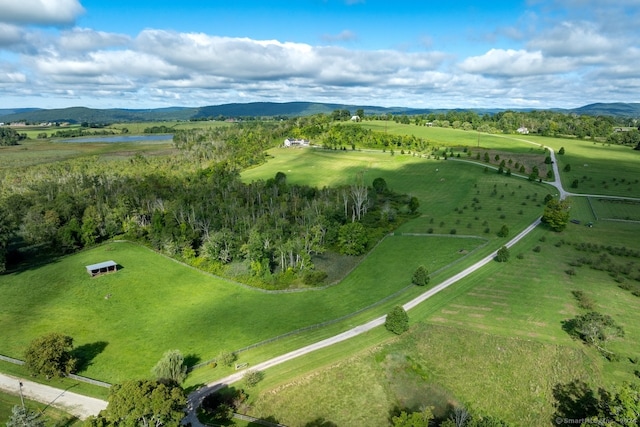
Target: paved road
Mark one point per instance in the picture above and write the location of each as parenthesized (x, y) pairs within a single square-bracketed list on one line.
[(73, 403)]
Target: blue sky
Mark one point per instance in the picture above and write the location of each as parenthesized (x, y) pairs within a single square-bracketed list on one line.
[(144, 54)]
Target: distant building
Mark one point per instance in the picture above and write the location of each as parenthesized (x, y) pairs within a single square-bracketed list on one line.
[(291, 142), (523, 130), (355, 118)]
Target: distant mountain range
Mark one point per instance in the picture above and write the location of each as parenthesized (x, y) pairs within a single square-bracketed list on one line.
[(261, 109)]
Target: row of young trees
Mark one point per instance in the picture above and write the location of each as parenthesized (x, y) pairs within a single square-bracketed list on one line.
[(546, 123)]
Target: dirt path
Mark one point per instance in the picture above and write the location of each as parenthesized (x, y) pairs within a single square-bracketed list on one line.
[(73, 403)]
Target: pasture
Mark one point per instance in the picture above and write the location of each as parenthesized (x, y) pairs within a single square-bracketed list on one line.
[(493, 343), (40, 152), (432, 365), (155, 303), (456, 198), (502, 321), (123, 322), (598, 167)]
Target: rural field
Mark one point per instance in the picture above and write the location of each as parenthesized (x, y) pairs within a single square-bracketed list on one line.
[(501, 321), (472, 345), (115, 318), (493, 343)]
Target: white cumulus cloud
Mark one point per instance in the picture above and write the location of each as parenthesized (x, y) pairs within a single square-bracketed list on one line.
[(510, 62), (86, 39), (41, 12)]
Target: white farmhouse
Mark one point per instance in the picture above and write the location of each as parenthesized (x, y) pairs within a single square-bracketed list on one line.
[(292, 142)]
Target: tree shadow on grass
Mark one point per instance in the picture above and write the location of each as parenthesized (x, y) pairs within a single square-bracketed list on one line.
[(190, 360), (86, 353), (268, 421), (577, 400), (569, 326), (192, 388)]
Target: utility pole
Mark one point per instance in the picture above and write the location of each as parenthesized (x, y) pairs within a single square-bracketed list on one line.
[(21, 397)]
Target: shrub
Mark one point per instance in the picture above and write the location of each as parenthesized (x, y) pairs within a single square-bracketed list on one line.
[(420, 276), (314, 277), (537, 249), (503, 254), (520, 256), (584, 301), (397, 320), (504, 231), (252, 378), (226, 358), (612, 357)]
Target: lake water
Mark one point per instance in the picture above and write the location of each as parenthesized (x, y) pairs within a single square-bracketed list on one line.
[(122, 138)]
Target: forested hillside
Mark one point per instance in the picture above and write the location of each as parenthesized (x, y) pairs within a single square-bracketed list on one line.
[(620, 113)]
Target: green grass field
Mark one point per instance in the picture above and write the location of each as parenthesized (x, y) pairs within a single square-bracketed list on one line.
[(616, 209), (501, 322), (446, 189), (432, 365), (40, 152), (155, 304), (493, 342)]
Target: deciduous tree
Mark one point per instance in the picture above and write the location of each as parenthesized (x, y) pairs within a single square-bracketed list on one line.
[(171, 367), (413, 419), (50, 355), (397, 320), (145, 403), (420, 276), (352, 238), (595, 328), (556, 214), (503, 254)]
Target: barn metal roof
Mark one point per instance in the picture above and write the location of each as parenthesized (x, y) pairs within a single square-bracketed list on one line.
[(100, 265)]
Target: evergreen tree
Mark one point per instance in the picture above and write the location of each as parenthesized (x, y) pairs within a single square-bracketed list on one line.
[(23, 417)]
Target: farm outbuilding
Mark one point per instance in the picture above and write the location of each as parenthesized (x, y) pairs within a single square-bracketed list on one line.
[(102, 268)]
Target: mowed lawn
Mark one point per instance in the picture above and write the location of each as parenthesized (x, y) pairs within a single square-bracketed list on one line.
[(127, 320), (453, 195)]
